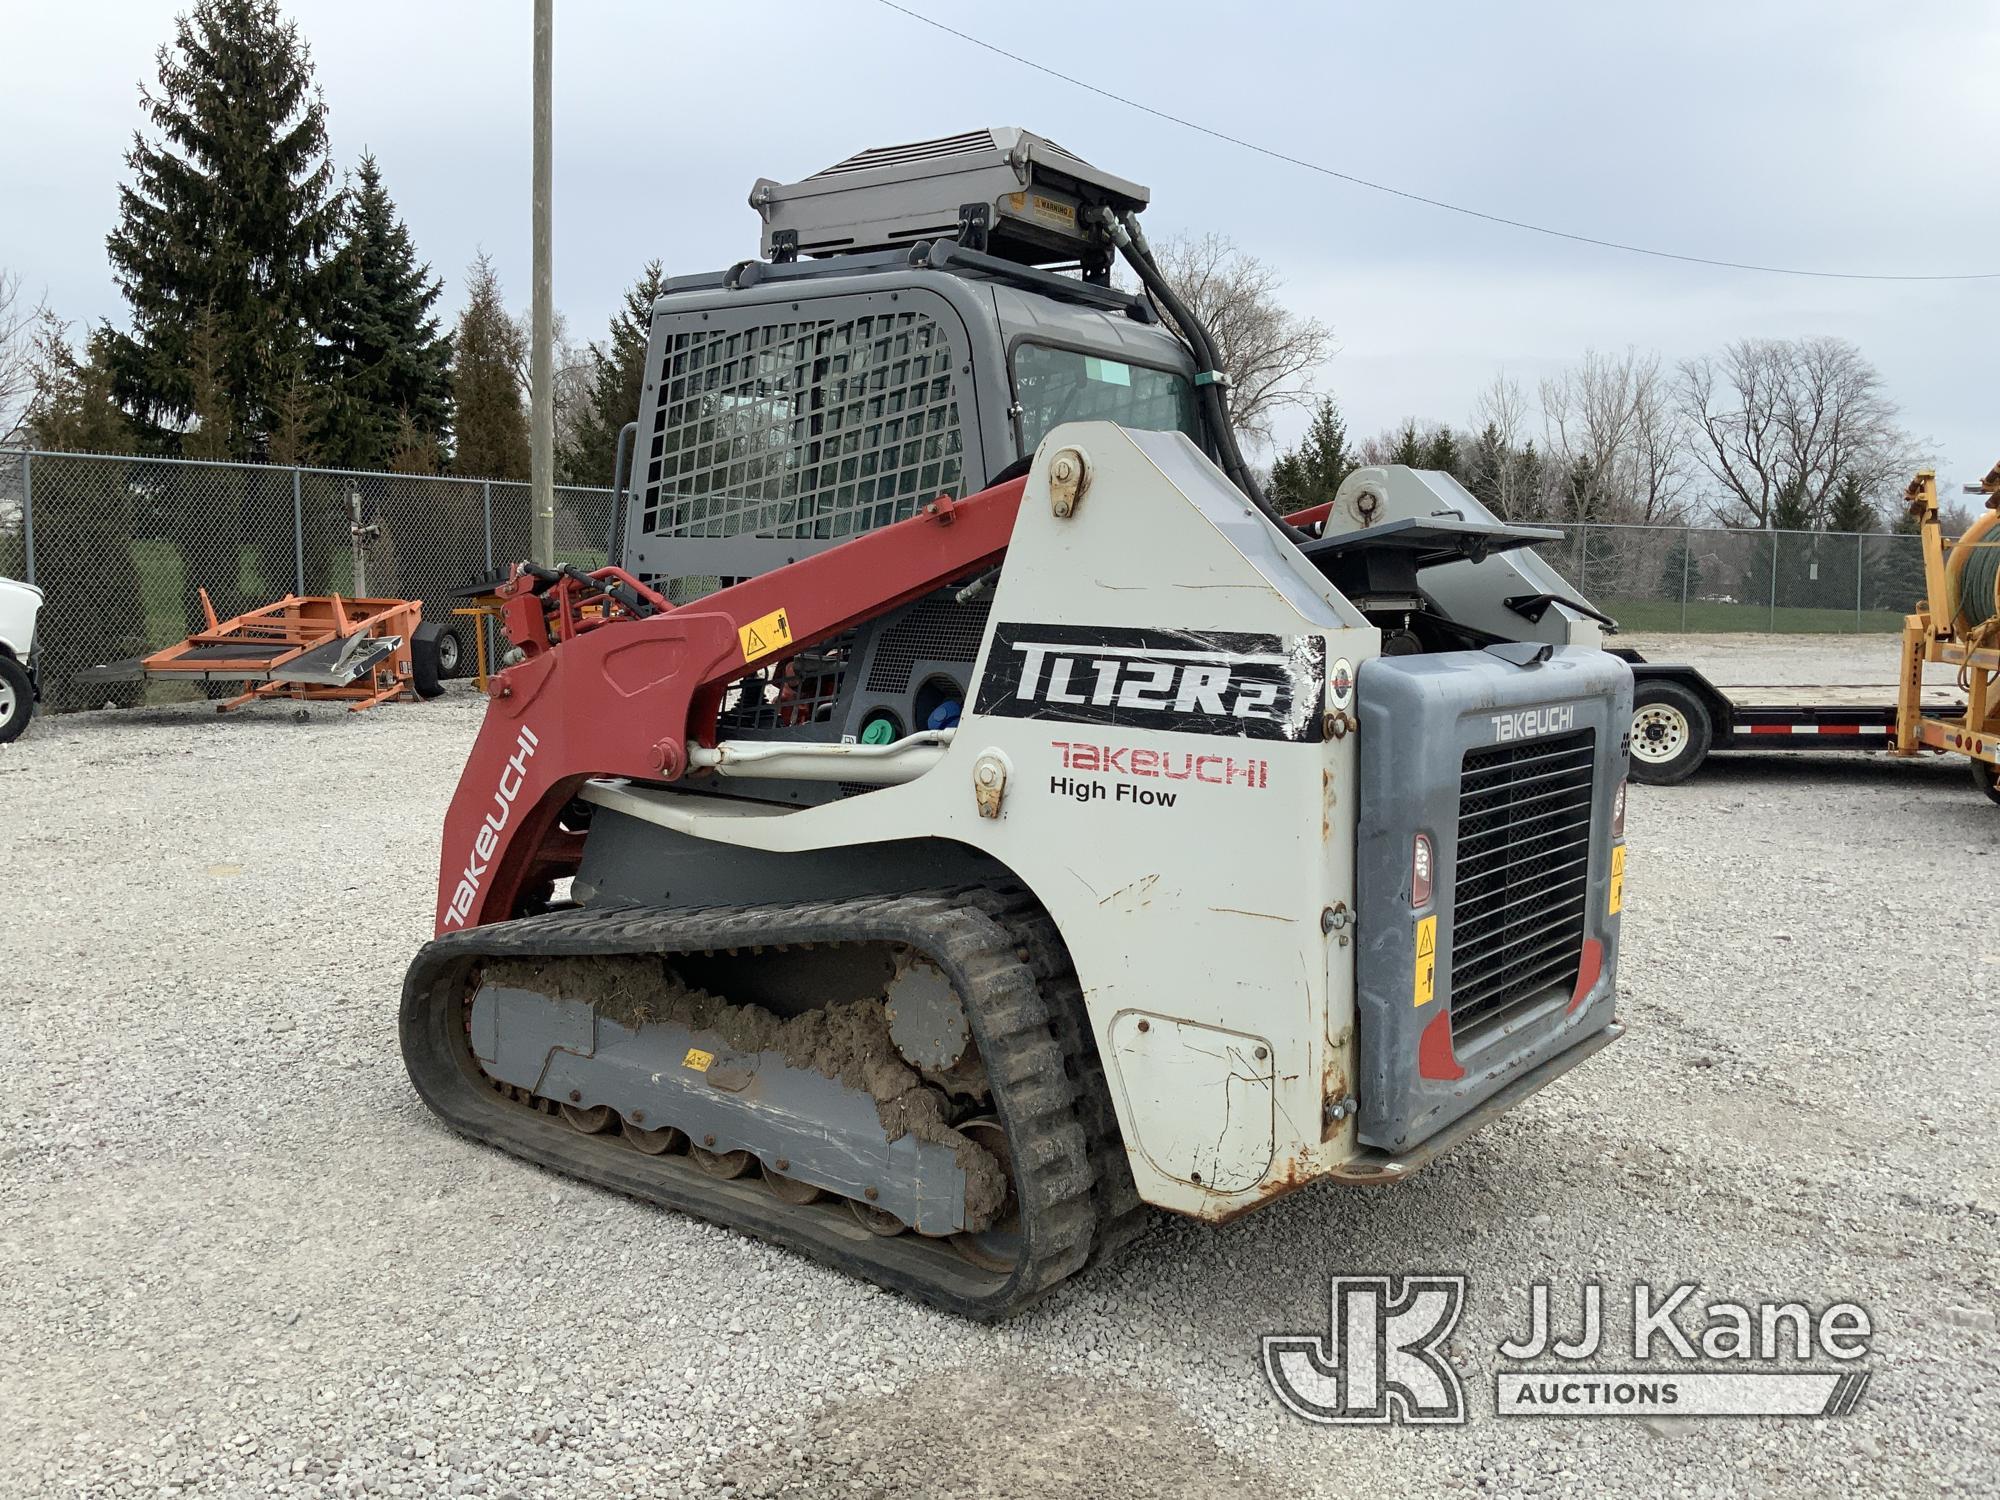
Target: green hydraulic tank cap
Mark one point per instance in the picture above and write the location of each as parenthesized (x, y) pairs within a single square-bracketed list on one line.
[(878, 731)]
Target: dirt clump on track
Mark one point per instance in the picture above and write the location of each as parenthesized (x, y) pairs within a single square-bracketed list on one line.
[(848, 1042)]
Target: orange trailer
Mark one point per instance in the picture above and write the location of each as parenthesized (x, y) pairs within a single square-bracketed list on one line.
[(315, 647)]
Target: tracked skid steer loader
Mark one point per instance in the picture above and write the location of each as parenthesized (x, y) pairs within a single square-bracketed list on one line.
[(964, 813)]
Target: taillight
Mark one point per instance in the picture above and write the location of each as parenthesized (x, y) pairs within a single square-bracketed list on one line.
[(1618, 812), (1420, 870)]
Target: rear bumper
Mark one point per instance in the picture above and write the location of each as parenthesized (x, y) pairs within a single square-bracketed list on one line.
[(1372, 1167)]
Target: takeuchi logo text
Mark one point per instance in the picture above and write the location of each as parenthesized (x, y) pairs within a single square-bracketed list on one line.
[(488, 838), (1170, 765)]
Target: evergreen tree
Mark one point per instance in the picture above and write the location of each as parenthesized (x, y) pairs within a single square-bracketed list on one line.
[(491, 425), (203, 509), (382, 359), (1487, 463), (1410, 447), (1895, 568), (1680, 574), (1600, 569), (1842, 552), (1850, 510), (74, 408), (1311, 473), (83, 525), (225, 220), (414, 451), (1793, 512), (1531, 482), (1441, 452), (618, 375), (1795, 553)]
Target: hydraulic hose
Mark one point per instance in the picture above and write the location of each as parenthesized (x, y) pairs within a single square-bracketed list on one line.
[(1211, 385), (1977, 580)]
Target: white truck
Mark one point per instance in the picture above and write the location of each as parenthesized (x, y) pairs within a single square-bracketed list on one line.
[(20, 603)]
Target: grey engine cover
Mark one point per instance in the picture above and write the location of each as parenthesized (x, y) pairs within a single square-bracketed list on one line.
[(1509, 765)]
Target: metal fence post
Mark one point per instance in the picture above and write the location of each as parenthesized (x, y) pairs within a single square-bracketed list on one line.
[(1860, 561), (1687, 553), (1583, 563), (28, 515), (298, 532), (486, 487), (1775, 535)]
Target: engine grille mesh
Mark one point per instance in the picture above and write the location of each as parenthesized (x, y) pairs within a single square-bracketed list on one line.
[(936, 628), (1522, 877)]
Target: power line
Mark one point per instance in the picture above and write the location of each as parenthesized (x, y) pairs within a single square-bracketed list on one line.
[(1396, 192)]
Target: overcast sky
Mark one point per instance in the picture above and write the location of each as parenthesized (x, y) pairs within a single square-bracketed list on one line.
[(1824, 135)]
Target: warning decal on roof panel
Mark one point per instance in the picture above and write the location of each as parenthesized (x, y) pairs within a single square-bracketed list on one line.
[(1264, 687)]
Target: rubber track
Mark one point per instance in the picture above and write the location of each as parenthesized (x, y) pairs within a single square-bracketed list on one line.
[(1121, 1213), (975, 937)]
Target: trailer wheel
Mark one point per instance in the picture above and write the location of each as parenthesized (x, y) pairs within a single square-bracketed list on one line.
[(1985, 776), (1671, 732), (425, 675), (451, 652), (17, 699)]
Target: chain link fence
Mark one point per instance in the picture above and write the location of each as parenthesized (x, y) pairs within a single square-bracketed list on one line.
[(1701, 579), (123, 547)]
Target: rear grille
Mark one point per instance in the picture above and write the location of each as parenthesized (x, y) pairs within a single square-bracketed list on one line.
[(1522, 878)]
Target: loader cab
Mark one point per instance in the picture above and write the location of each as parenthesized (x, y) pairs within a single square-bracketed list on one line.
[(788, 407)]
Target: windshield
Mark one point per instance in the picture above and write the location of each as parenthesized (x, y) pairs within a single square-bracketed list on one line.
[(1060, 385)]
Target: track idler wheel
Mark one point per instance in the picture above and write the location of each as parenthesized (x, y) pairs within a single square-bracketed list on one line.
[(875, 1220), (790, 1189), (659, 1142), (722, 1164), (593, 1121)]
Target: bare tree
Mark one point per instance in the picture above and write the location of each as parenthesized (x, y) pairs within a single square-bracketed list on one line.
[(571, 368), (1661, 466), (1773, 413), (18, 320), (1506, 474), (1612, 429), (1269, 353)]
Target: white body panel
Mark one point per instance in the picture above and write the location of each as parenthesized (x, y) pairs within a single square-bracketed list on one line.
[(1192, 903), (20, 603), (1471, 593)]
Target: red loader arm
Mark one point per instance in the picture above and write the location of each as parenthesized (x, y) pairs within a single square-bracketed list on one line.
[(625, 695)]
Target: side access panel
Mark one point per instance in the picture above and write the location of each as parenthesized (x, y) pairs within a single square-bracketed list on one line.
[(1508, 765)]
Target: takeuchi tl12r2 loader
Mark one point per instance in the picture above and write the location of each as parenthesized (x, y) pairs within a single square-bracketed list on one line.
[(966, 813)]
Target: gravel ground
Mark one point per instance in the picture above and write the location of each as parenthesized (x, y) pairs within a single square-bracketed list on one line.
[(238, 1257)]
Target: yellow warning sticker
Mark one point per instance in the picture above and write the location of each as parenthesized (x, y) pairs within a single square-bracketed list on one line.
[(1052, 210), (1617, 879), (698, 1059), (1427, 960), (761, 637)]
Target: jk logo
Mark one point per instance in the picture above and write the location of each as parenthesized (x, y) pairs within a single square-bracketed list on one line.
[(1380, 1360)]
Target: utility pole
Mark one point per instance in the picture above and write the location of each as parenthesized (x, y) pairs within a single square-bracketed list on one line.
[(541, 396)]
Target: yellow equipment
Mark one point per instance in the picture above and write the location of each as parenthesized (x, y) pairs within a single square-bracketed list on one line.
[(1958, 622)]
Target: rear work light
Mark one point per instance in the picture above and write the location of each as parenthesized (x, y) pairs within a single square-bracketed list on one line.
[(1618, 811), (1421, 866)]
